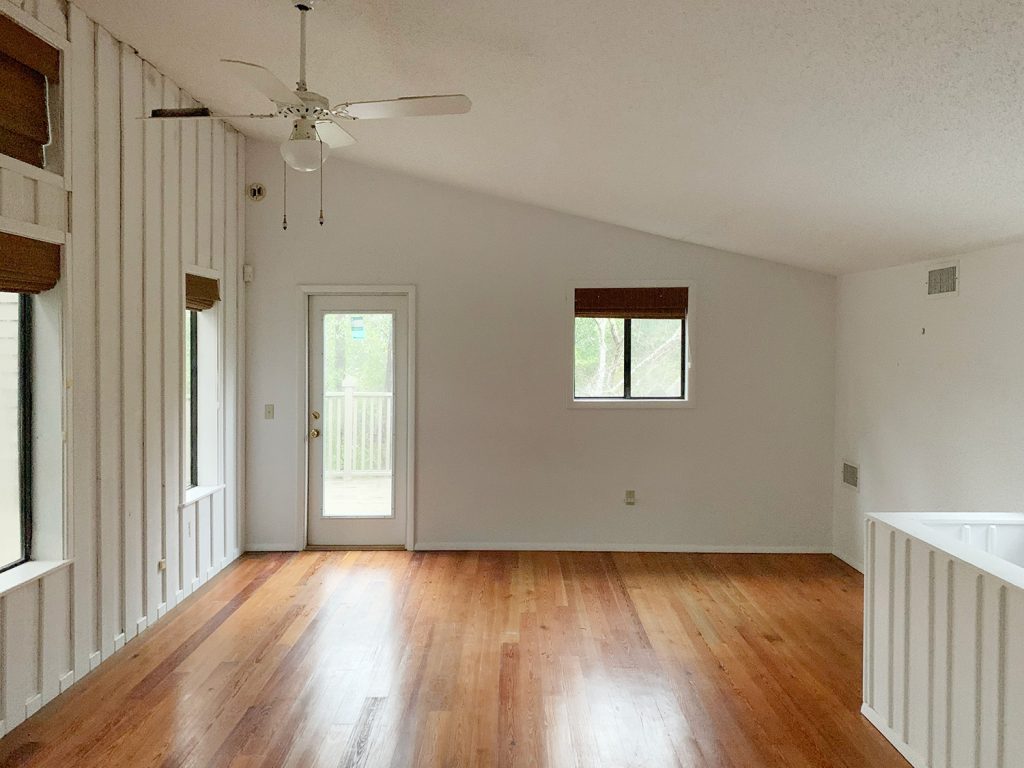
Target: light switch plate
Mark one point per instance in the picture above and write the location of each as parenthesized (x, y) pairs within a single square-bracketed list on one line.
[(268, 411)]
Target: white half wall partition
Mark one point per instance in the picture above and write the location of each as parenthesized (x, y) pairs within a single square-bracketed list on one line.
[(944, 614)]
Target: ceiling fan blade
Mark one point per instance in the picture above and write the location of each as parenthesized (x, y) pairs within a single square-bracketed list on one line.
[(410, 106), (199, 113), (264, 81), (333, 135)]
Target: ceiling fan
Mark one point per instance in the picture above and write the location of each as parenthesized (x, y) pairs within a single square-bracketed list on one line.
[(315, 124)]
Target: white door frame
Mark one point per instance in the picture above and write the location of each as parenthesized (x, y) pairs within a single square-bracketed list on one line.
[(305, 293)]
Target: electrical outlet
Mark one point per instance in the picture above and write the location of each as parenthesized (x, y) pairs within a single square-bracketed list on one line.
[(630, 498), (268, 411)]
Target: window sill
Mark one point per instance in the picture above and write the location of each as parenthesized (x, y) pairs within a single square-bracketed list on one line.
[(198, 493), (619, 403), (23, 574)]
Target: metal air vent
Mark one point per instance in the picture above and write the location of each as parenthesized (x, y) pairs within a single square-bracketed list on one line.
[(942, 280), (851, 474)]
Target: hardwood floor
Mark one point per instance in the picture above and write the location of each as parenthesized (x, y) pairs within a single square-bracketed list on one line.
[(489, 659)]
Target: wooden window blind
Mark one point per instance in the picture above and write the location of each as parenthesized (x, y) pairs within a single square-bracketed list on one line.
[(27, 64), (200, 292), (27, 266), (657, 303)]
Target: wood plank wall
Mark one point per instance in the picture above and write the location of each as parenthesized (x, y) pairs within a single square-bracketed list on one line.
[(146, 201)]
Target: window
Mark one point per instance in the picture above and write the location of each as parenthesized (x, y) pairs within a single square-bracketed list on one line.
[(15, 429), (630, 343), (26, 267), (192, 398), (200, 396), (29, 68)]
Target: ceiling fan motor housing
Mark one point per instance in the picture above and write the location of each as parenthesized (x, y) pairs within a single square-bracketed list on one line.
[(304, 130), (313, 105)]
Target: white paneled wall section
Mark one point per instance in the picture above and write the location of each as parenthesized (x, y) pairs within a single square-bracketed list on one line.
[(146, 200), (943, 660)]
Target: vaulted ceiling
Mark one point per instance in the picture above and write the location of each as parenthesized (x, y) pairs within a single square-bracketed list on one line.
[(833, 135)]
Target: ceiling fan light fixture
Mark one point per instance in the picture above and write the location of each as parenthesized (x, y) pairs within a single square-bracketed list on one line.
[(303, 150)]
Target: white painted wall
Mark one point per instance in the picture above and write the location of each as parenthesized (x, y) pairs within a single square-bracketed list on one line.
[(501, 459), (147, 200), (935, 419)]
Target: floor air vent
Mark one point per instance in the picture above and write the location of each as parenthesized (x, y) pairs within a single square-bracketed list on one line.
[(850, 474), (942, 280)]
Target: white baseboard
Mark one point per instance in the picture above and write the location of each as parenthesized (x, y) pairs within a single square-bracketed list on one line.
[(853, 562), (273, 547), (426, 546), (878, 721), (33, 704)]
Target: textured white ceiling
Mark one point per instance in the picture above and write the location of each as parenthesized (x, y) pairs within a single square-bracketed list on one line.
[(833, 135)]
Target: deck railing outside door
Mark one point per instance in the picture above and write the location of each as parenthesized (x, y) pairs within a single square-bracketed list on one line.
[(358, 432)]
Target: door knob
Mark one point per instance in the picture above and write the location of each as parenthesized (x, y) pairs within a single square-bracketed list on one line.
[(314, 432)]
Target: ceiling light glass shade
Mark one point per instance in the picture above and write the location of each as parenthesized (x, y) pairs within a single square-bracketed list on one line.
[(303, 154)]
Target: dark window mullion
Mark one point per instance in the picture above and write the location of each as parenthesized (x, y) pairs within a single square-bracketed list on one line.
[(627, 378)]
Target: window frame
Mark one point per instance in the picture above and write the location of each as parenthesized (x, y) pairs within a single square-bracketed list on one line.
[(25, 417), (626, 401), (205, 464)]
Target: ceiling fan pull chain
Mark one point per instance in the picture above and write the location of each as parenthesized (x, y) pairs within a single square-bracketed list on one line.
[(284, 174), (321, 183)]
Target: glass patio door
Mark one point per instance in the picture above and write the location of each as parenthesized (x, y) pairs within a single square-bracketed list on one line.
[(357, 420)]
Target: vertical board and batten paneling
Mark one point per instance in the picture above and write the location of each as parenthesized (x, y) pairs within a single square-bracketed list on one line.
[(171, 340), (189, 159), (50, 13), (152, 354), (229, 339), (146, 200), (136, 562), (942, 674), (85, 353), (108, 359), (204, 185), (33, 202)]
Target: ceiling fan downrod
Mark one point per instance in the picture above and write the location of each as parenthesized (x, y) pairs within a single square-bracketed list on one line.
[(304, 8)]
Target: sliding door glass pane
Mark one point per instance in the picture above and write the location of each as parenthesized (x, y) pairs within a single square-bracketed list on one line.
[(600, 352), (657, 355), (10, 440)]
